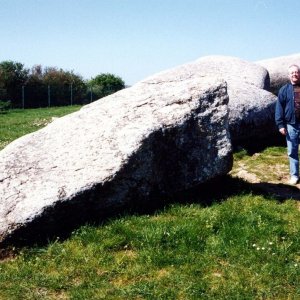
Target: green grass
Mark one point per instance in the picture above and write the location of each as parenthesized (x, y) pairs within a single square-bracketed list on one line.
[(18, 122), (245, 247)]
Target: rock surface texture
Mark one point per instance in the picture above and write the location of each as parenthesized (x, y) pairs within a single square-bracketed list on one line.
[(147, 141), (278, 70), (251, 117), (251, 106)]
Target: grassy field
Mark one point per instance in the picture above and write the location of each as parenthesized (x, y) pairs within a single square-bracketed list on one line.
[(241, 243), (18, 122)]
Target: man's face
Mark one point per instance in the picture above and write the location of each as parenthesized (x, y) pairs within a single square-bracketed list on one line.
[(294, 75)]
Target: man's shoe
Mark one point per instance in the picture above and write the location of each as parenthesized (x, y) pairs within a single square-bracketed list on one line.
[(293, 180)]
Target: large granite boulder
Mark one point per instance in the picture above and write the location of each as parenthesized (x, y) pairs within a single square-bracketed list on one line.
[(251, 106), (145, 142), (232, 69), (278, 69)]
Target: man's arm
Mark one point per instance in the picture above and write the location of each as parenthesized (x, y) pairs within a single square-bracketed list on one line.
[(279, 113)]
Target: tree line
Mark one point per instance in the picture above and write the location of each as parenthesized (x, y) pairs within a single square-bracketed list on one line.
[(40, 86)]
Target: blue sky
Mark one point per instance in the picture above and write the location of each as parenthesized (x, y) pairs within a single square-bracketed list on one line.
[(137, 38)]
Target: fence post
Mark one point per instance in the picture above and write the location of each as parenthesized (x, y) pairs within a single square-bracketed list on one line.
[(23, 96), (49, 100), (71, 93)]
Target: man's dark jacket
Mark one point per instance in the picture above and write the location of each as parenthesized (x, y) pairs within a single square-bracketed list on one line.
[(285, 111)]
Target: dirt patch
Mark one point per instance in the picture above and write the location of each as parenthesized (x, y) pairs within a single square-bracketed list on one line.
[(245, 175), (278, 187), (7, 254)]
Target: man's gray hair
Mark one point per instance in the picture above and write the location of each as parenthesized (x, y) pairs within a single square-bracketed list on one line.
[(294, 65)]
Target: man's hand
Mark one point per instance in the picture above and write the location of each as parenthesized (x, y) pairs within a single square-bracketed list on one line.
[(282, 131)]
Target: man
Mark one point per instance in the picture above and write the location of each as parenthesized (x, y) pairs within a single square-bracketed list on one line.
[(287, 117)]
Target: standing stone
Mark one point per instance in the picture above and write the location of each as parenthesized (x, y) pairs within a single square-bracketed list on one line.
[(148, 141)]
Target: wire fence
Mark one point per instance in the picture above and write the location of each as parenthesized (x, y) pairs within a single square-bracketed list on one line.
[(34, 96)]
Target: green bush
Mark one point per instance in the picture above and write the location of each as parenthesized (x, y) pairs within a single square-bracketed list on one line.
[(4, 106)]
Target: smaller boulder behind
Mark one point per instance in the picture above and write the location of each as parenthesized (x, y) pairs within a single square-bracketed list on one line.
[(251, 107), (278, 70)]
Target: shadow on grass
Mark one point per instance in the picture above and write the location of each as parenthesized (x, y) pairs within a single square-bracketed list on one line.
[(277, 190), (214, 191), (220, 189), (260, 144)]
